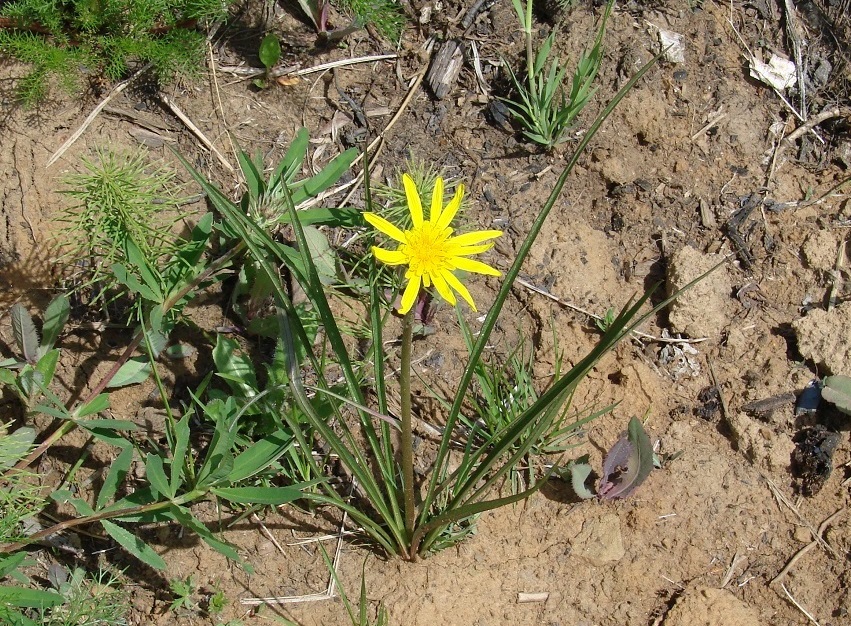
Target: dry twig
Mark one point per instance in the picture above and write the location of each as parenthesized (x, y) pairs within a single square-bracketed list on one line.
[(91, 117)]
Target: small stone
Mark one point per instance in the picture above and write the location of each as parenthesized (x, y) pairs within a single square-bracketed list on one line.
[(600, 542), (706, 606), (703, 310), (818, 338), (820, 249)]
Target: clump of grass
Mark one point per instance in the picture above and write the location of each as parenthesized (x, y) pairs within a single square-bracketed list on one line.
[(62, 40)]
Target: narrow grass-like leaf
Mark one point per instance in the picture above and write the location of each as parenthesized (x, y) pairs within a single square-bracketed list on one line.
[(133, 545), (441, 461)]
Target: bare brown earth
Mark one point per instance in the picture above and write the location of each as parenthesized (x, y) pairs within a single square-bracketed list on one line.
[(702, 540)]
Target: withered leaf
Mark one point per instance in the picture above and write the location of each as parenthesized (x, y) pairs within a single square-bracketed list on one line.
[(627, 464)]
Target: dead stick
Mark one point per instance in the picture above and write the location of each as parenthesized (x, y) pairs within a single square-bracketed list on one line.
[(91, 118), (197, 132)]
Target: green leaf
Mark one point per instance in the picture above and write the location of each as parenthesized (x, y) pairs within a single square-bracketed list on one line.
[(132, 283), (81, 506), (291, 163), (322, 254), (46, 366), (270, 51), (137, 258), (96, 405), (14, 447), (156, 476), (579, 473), (107, 424), (260, 455), (55, 317), (235, 367), (258, 495), (329, 175), (837, 390), (133, 545), (24, 332), (181, 445), (117, 472), (29, 598), (135, 370), (11, 562)]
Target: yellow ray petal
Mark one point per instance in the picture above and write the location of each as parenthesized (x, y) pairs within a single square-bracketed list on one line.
[(458, 286), (436, 200), (410, 294), (442, 287), (413, 197), (477, 236), (454, 251), (452, 208), (390, 257), (471, 265), (382, 225)]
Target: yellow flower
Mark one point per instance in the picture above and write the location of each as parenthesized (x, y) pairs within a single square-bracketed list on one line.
[(429, 250)]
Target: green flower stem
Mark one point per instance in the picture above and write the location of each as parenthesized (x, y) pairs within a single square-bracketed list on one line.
[(407, 430)]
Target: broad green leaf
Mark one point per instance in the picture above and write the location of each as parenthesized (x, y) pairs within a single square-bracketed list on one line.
[(239, 369), (133, 545), (322, 254), (55, 317), (117, 472), (29, 598), (15, 446), (837, 390), (258, 495), (156, 475), (107, 424), (260, 455), (135, 370), (329, 175), (23, 329), (11, 562), (96, 405), (46, 365), (132, 283), (81, 506), (137, 258), (293, 159), (270, 51), (253, 177)]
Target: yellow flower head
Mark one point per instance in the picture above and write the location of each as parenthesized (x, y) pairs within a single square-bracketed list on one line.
[(429, 250)]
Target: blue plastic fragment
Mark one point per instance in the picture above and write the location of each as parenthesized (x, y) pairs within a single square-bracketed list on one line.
[(809, 399)]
